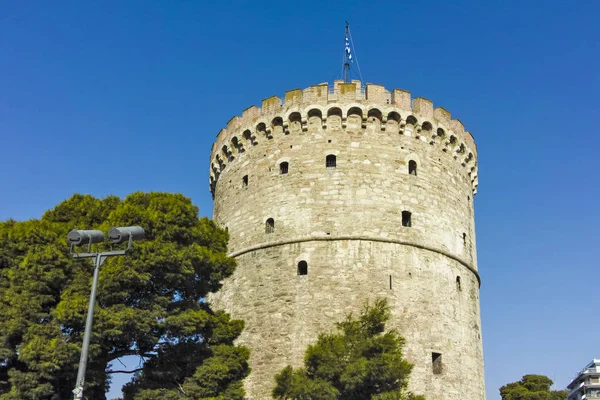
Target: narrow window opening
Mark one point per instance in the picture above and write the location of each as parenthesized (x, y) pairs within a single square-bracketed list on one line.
[(390, 282), (436, 361), (458, 287), (406, 219), (330, 161), (302, 268), (412, 167), (464, 238), (283, 168), (270, 226), (245, 181)]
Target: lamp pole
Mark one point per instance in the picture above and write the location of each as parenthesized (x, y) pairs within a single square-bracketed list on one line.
[(89, 237)]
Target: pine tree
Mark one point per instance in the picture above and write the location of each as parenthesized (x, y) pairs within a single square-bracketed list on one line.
[(361, 361), (532, 387), (150, 303)]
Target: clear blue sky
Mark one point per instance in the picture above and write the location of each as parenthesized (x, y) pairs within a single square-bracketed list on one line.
[(111, 97)]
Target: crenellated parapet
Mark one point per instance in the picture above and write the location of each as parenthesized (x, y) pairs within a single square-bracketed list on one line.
[(347, 108)]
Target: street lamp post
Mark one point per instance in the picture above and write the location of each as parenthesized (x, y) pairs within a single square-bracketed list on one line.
[(89, 237)]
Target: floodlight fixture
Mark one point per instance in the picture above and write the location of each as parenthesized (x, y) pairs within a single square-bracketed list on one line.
[(120, 234), (88, 237), (79, 237)]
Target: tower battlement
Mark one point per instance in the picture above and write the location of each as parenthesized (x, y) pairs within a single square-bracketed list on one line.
[(334, 196), (349, 108)]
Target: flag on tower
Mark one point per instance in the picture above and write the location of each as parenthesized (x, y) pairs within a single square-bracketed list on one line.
[(348, 53)]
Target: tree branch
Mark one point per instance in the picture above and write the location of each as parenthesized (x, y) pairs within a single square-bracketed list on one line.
[(119, 354), (121, 371)]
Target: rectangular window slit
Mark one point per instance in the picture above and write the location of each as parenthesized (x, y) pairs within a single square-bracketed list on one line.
[(436, 361)]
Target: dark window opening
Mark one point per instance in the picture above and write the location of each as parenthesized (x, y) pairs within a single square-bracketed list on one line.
[(390, 282), (412, 167), (270, 226), (406, 219), (436, 361), (277, 125), (464, 238), (458, 287), (245, 181), (302, 268), (330, 161), (394, 116), (283, 168)]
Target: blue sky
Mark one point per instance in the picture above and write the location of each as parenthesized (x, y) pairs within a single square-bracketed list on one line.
[(111, 97)]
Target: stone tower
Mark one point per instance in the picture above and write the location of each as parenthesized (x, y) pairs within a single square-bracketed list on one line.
[(335, 196)]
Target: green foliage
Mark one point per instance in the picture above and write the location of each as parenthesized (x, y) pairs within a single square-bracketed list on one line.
[(532, 387), (150, 303), (360, 362)]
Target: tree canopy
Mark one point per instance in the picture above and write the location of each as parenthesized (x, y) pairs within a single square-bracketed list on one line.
[(359, 362), (150, 303), (532, 387)]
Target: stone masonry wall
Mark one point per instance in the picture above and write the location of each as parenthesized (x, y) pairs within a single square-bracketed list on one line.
[(346, 224)]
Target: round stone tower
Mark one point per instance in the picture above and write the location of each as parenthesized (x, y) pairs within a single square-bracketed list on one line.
[(335, 196)]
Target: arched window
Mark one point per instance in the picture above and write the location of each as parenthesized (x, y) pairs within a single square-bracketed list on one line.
[(411, 120), (354, 120), (302, 268), (334, 118), (406, 219), (277, 125), (270, 226), (283, 168), (245, 181), (458, 283), (295, 122), (374, 117), (315, 120), (393, 122), (330, 161), (235, 143), (412, 167)]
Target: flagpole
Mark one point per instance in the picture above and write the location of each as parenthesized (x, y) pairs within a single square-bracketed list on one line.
[(346, 53)]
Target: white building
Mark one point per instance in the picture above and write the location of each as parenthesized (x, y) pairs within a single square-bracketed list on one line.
[(587, 383)]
